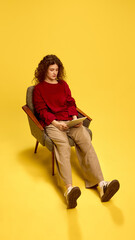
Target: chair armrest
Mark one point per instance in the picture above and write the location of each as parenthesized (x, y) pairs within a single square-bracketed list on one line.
[(36, 128), (83, 114), (87, 121), (32, 117)]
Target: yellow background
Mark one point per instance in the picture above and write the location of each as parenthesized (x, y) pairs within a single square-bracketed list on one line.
[(96, 42)]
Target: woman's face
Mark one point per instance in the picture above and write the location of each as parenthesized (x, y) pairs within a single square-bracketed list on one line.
[(52, 72)]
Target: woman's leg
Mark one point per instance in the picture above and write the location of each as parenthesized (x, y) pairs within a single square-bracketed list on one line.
[(90, 165), (62, 151), (87, 156)]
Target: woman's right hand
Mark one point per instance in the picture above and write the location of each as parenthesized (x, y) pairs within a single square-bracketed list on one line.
[(60, 125)]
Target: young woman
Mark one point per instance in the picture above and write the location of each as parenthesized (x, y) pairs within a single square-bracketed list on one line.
[(54, 106)]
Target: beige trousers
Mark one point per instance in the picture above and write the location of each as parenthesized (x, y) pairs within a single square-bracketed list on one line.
[(86, 154)]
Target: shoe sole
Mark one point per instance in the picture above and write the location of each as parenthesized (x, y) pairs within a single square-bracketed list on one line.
[(112, 188), (73, 196)]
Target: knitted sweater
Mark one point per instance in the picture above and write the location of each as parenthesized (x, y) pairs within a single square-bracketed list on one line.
[(53, 102)]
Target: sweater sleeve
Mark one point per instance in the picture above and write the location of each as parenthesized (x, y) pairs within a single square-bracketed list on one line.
[(41, 108), (70, 102)]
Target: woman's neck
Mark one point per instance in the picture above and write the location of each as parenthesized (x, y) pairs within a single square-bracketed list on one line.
[(51, 81)]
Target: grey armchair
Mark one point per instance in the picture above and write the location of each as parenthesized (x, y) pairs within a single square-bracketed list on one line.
[(39, 132)]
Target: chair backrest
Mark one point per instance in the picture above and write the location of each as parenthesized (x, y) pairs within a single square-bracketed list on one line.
[(29, 98)]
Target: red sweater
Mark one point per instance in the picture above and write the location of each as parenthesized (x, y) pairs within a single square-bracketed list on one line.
[(53, 102)]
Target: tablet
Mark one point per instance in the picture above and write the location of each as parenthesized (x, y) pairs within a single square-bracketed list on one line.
[(75, 121)]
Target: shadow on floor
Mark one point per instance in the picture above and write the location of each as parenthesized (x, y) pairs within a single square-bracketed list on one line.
[(74, 228), (115, 212), (39, 167)]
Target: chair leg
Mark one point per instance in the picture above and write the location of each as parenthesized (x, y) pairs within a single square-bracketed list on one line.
[(53, 157), (35, 151), (53, 163)]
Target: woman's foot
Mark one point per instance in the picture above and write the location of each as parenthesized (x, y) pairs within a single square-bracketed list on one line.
[(72, 194), (108, 189)]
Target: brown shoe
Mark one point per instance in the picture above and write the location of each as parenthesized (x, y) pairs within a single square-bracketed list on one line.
[(72, 194), (108, 190)]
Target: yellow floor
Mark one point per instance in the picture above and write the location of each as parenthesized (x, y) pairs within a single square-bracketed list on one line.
[(32, 206), (95, 40)]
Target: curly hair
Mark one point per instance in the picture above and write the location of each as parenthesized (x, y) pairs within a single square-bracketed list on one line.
[(41, 70)]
